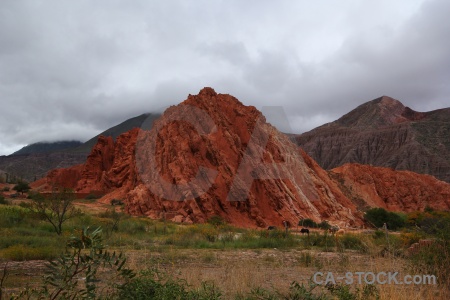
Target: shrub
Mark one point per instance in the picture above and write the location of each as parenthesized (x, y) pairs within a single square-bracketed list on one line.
[(151, 284), (86, 257), (55, 209), (435, 259), (409, 238), (6, 189), (133, 226), (21, 187), (350, 241), (11, 216), (378, 216), (3, 201), (307, 223), (216, 221), (324, 225), (23, 252), (92, 196)]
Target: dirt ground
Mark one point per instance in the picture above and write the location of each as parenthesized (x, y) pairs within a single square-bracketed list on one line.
[(239, 271)]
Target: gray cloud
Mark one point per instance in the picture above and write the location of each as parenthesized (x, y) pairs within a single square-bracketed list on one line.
[(70, 69)]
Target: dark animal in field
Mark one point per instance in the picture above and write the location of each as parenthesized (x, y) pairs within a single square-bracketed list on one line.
[(116, 202), (271, 228), (304, 230)]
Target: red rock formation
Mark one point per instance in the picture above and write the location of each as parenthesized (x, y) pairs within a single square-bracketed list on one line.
[(198, 151), (180, 151), (303, 189), (393, 190), (67, 178), (102, 172)]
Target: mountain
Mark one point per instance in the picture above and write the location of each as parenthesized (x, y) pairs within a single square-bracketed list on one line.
[(210, 155), (405, 191), (46, 147), (211, 149), (383, 132), (36, 160), (117, 130)]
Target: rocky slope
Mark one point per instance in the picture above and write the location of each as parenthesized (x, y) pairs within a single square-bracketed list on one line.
[(34, 161), (178, 170), (30, 167), (211, 149), (393, 190), (47, 147), (383, 132)]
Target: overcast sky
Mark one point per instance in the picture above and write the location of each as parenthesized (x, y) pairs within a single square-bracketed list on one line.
[(71, 69)]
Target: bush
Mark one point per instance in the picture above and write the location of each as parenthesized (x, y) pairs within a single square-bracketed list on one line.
[(11, 216), (92, 196), (307, 223), (6, 189), (86, 257), (378, 216), (324, 225), (435, 259), (21, 187), (23, 252), (3, 201), (151, 284), (216, 221), (350, 241)]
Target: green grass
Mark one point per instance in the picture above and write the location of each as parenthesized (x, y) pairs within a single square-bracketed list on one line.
[(24, 236), (21, 227)]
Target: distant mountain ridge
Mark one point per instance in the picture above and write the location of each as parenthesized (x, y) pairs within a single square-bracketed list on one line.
[(117, 130), (383, 132), (46, 147), (36, 160)]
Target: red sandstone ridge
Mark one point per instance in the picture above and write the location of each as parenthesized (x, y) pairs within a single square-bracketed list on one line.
[(180, 151), (209, 164), (107, 169), (393, 190)]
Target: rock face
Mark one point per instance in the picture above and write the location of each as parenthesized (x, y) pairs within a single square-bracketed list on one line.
[(405, 191), (383, 132), (47, 147), (36, 165), (106, 171), (243, 154), (213, 156), (180, 151), (37, 160)]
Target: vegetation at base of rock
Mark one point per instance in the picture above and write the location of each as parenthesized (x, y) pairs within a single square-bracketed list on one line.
[(92, 196), (84, 258), (21, 187), (105, 276), (434, 258), (25, 235), (3, 200), (56, 209), (379, 216)]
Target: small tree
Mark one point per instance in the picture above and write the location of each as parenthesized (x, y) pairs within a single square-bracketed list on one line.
[(57, 208), (104, 273), (324, 225), (3, 201), (378, 216), (21, 187), (307, 223), (216, 221)]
